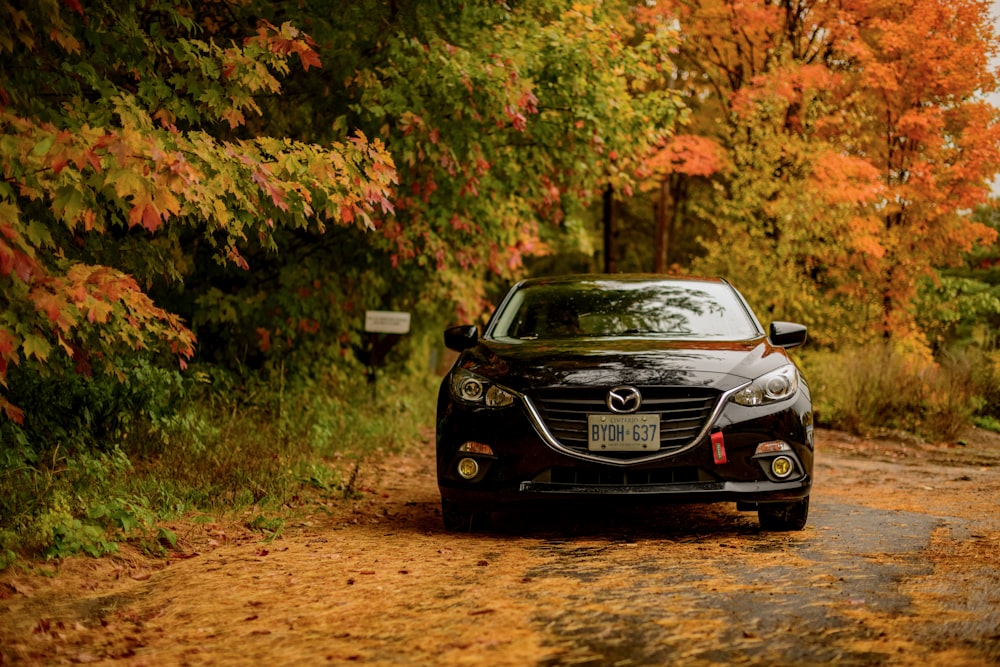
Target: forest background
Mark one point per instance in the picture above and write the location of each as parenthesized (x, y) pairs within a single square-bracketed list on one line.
[(200, 201)]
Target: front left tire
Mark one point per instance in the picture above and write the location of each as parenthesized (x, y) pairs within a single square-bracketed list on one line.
[(459, 519), (784, 517)]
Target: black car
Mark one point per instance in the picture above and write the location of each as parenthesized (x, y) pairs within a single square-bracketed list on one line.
[(611, 387)]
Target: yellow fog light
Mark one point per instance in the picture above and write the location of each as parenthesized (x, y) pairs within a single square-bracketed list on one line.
[(782, 466), (468, 468)]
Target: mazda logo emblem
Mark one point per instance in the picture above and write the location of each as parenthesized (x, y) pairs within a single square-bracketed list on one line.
[(624, 399)]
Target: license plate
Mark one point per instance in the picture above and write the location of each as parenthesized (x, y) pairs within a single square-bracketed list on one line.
[(623, 433)]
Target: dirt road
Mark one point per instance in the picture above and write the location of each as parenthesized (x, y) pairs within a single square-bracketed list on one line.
[(899, 565)]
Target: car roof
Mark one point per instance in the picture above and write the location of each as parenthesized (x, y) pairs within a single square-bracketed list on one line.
[(618, 277)]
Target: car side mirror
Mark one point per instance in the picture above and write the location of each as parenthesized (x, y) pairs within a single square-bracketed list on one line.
[(461, 337), (787, 334)]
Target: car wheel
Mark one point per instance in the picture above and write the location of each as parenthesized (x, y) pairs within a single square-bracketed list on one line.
[(458, 519), (784, 516)]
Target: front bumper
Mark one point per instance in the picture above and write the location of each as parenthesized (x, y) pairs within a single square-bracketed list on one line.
[(523, 467), (743, 493)]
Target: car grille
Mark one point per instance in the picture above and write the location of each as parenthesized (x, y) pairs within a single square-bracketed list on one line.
[(683, 413)]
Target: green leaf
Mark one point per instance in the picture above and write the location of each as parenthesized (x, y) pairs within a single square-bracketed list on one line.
[(168, 536), (37, 347), (68, 201), (43, 146), (126, 182), (126, 520), (39, 235)]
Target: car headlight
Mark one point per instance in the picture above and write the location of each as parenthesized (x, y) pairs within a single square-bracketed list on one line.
[(770, 388), (469, 387)]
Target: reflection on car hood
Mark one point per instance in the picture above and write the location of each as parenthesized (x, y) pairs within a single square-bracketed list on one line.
[(520, 365)]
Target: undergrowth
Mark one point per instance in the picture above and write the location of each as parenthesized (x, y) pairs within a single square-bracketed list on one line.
[(879, 389), (98, 462)]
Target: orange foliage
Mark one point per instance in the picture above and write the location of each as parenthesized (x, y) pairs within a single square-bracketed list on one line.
[(687, 154), (840, 178), (857, 137)]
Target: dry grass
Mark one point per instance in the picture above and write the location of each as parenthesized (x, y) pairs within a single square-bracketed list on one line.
[(881, 389)]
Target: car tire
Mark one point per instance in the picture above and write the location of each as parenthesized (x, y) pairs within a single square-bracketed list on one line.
[(458, 519), (784, 516)]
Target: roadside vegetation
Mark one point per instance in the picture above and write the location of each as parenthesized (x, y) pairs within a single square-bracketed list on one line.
[(200, 201), (934, 391), (878, 390), (103, 461)]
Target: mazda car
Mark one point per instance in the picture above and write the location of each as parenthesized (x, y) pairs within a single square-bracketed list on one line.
[(606, 388)]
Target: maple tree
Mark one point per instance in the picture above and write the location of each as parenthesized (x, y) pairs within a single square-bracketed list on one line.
[(964, 303), (251, 176), (913, 81), (209, 169), (855, 140), (502, 122), (672, 170), (118, 140), (156, 157)]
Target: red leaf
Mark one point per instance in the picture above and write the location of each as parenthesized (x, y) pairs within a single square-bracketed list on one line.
[(308, 57), (6, 259), (150, 218), (14, 413), (7, 344), (237, 259), (50, 304), (263, 339), (24, 266)]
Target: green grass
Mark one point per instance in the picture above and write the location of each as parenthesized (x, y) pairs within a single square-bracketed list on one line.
[(987, 423), (227, 446)]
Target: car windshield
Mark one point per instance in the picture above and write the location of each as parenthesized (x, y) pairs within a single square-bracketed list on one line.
[(681, 309)]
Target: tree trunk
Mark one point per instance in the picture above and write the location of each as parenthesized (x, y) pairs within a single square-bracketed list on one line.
[(610, 246), (662, 228)]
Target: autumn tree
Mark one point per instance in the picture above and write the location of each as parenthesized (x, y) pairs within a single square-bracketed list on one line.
[(962, 305), (683, 161), (913, 75), (174, 170), (502, 122), (119, 142), (817, 105)]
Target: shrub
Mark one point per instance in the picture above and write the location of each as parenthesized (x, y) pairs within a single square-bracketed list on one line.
[(127, 456), (880, 388)]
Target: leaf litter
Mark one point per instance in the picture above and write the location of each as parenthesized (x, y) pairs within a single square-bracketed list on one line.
[(376, 580)]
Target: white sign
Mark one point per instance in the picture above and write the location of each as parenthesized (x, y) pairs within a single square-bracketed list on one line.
[(387, 321)]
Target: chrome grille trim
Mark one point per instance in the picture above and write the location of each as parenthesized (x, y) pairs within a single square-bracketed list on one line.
[(546, 434)]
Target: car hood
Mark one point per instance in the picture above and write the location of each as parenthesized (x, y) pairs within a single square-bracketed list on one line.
[(522, 365)]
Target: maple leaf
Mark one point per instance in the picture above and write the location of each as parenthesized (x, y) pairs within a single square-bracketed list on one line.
[(308, 57), (235, 257), (74, 5), (98, 311), (49, 303), (14, 413)]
